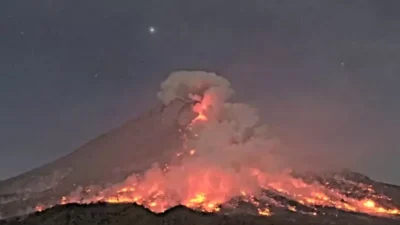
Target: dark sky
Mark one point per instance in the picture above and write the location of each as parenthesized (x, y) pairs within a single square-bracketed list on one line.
[(326, 73)]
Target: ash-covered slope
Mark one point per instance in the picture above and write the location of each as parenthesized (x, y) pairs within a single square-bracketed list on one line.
[(108, 159), (127, 214)]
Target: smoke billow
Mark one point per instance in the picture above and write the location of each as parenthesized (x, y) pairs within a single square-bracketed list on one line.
[(220, 153), (208, 87), (185, 84), (230, 128)]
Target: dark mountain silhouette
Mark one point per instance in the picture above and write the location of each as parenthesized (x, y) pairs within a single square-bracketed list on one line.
[(127, 214)]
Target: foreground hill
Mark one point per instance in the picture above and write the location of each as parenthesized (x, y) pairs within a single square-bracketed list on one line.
[(129, 214)]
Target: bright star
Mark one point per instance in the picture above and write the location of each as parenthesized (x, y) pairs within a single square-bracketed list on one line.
[(152, 30)]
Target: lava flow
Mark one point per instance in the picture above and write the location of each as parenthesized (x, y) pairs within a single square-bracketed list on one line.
[(219, 163)]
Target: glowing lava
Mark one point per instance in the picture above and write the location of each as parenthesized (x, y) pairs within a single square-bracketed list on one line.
[(200, 108), (200, 117)]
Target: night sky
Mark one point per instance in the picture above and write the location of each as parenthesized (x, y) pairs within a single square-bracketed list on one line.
[(324, 73)]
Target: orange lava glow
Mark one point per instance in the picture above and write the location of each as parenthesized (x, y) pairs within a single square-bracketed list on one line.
[(200, 117), (201, 108), (203, 197), (208, 187), (264, 212), (40, 208)]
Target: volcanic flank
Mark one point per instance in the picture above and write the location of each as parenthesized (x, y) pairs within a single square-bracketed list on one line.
[(198, 150)]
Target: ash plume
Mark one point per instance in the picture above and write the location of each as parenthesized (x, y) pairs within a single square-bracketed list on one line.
[(231, 139), (212, 89)]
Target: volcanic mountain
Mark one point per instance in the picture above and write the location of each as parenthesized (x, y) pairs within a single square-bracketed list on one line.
[(203, 152)]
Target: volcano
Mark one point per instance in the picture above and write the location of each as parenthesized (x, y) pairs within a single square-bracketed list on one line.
[(200, 151)]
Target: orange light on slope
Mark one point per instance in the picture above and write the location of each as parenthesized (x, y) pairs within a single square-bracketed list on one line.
[(199, 198), (369, 204), (264, 212), (40, 208)]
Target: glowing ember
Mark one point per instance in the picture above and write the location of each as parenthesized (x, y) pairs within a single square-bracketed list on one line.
[(40, 208), (200, 108), (200, 117), (292, 208), (198, 199), (369, 204), (264, 212)]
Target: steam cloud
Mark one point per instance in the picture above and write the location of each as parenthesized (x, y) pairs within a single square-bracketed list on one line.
[(232, 127), (211, 89), (185, 84)]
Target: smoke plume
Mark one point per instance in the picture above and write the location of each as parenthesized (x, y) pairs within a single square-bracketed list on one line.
[(224, 147), (211, 89), (232, 127)]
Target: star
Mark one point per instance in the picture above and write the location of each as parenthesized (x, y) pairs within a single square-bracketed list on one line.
[(152, 30)]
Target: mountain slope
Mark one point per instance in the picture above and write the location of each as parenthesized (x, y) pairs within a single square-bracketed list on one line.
[(105, 160)]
